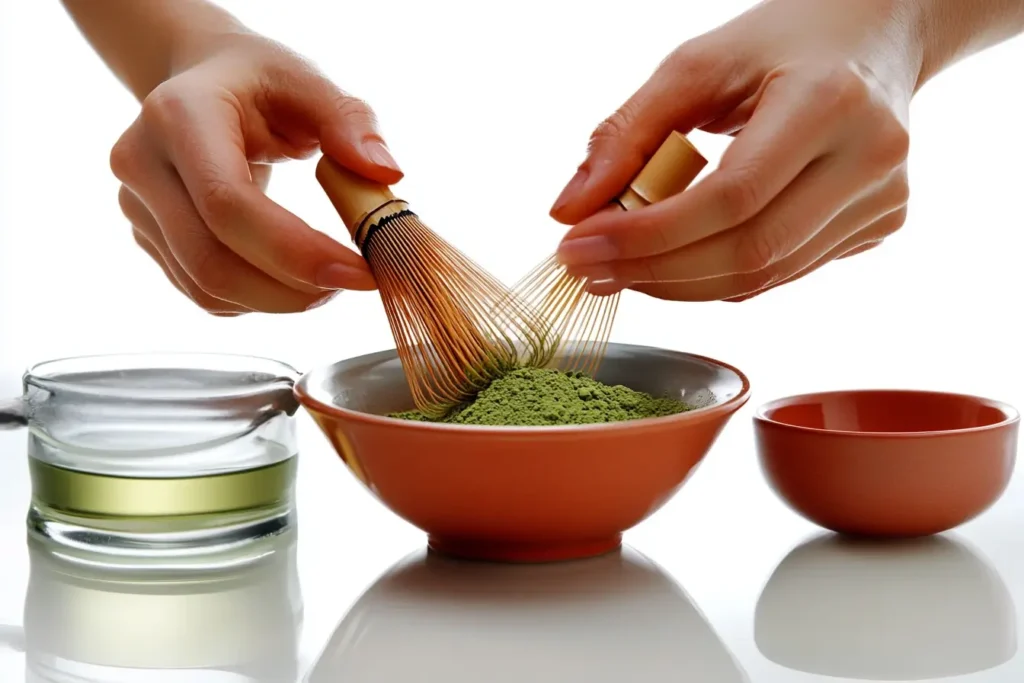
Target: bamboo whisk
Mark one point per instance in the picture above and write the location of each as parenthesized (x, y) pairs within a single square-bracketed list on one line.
[(576, 323), (456, 327)]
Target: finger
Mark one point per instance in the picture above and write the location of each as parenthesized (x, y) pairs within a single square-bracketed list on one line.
[(207, 262), (690, 87), (784, 136), (203, 141), (860, 249), (869, 238), (792, 219), (147, 235), (154, 253), (869, 219), (143, 242), (346, 126), (733, 121)]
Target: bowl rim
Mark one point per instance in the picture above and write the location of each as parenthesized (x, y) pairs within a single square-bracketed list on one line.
[(306, 398), (1010, 414), (53, 374)]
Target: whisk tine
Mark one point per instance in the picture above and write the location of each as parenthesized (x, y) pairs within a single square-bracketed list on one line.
[(578, 324), (456, 327)]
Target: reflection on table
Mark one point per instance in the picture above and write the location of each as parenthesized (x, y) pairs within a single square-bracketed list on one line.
[(866, 610), (237, 623), (613, 618)]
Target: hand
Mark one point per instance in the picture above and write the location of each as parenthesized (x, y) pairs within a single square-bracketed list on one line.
[(816, 94), (195, 165)]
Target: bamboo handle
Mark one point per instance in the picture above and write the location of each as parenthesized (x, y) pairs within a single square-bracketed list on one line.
[(670, 171), (353, 196)]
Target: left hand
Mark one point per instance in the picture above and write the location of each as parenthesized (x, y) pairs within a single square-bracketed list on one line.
[(817, 96)]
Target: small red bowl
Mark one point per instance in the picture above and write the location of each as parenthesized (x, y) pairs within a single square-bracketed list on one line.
[(887, 463), (524, 494)]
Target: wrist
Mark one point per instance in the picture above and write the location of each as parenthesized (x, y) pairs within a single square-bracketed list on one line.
[(928, 29), (949, 30), (199, 34)]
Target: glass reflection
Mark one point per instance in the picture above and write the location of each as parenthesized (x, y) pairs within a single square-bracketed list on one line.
[(613, 618), (867, 610), (90, 624)]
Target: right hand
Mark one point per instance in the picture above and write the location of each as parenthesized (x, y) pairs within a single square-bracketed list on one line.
[(196, 162), (817, 95)]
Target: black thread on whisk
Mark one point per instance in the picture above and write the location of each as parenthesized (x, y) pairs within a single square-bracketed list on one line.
[(379, 225)]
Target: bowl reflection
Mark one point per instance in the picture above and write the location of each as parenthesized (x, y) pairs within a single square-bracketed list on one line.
[(615, 618), (238, 623), (873, 610)]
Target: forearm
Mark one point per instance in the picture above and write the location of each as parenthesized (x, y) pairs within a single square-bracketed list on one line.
[(144, 42), (950, 30)]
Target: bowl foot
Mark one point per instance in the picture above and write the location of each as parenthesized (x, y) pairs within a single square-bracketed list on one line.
[(514, 552)]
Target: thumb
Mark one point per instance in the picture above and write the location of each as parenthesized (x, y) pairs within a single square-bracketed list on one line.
[(679, 96), (348, 132)]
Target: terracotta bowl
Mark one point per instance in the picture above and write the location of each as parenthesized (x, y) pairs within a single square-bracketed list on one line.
[(524, 494), (887, 463)]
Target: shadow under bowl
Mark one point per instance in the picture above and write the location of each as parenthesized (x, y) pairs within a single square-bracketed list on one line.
[(524, 494), (887, 463)]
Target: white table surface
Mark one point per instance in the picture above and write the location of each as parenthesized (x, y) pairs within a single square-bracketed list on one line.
[(726, 599)]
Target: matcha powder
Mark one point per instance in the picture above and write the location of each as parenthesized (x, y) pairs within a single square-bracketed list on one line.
[(541, 397)]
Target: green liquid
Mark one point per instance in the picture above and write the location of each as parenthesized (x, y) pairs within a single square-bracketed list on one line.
[(138, 504)]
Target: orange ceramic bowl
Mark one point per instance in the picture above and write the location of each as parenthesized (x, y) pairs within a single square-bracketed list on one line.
[(887, 463), (524, 494)]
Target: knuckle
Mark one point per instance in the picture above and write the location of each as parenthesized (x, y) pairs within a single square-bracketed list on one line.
[(753, 282), (842, 89), (355, 109), (615, 126), (688, 63), (219, 201), (893, 222), (890, 144), (211, 275), (739, 194), (162, 106), (758, 249), (124, 156)]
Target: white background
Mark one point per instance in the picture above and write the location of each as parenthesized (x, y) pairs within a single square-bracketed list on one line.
[(493, 106)]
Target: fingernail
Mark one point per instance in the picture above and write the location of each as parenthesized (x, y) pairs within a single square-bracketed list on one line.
[(379, 154), (340, 276), (321, 301), (586, 250), (597, 273), (571, 191), (606, 287)]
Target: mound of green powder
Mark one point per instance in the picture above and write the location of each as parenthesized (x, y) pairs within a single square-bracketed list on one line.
[(539, 397)]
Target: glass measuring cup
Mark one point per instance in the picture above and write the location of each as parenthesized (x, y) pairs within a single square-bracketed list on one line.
[(158, 454)]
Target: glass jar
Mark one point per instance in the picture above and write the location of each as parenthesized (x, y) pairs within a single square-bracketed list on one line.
[(151, 456)]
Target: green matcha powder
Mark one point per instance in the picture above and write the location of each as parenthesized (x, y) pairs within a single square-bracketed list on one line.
[(538, 397)]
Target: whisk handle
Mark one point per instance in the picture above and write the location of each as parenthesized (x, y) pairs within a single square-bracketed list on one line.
[(354, 197), (670, 171)]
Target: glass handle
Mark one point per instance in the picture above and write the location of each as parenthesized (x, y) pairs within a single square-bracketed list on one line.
[(12, 414)]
